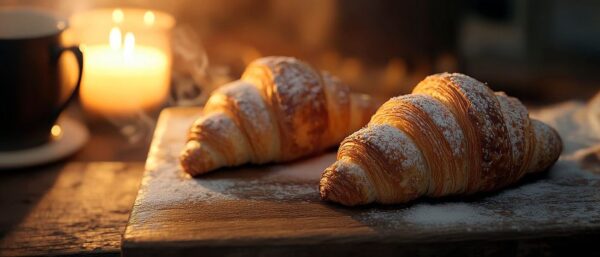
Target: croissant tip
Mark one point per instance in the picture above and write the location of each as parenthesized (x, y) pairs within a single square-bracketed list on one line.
[(549, 146), (340, 184), (189, 161), (185, 162), (324, 184)]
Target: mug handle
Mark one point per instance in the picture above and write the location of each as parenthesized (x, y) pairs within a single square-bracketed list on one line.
[(79, 55)]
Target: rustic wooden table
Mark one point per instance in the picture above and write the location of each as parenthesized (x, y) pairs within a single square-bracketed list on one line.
[(78, 206)]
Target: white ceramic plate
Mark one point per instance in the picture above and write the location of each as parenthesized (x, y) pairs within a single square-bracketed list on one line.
[(73, 135)]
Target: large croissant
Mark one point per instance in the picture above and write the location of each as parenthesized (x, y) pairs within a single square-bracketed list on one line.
[(281, 109), (452, 135)]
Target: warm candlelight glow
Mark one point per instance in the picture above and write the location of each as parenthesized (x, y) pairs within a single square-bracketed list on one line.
[(124, 78), (122, 74), (128, 46), (149, 18), (118, 16), (114, 38)]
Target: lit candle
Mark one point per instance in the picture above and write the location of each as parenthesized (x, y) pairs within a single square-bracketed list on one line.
[(120, 80), (122, 76)]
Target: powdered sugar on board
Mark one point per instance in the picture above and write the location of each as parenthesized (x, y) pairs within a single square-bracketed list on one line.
[(292, 181), (549, 200), (566, 198), (165, 184), (574, 121)]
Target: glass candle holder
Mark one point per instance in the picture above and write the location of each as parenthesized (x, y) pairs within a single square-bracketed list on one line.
[(127, 59)]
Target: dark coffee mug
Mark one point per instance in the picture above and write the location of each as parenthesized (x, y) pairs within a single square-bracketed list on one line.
[(32, 91)]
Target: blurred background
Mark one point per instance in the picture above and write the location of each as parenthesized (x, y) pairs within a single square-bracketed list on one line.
[(541, 51)]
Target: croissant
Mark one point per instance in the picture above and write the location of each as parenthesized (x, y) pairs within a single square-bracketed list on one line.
[(451, 136), (281, 109)]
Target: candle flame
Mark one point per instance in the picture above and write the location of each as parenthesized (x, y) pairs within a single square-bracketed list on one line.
[(149, 18), (118, 15), (114, 38), (129, 41), (129, 44)]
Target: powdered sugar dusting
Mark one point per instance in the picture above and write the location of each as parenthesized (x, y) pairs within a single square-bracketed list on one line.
[(574, 122), (443, 119), (341, 91), (296, 82), (215, 122), (171, 186), (515, 116), (448, 213), (393, 144), (161, 191), (252, 106), (478, 96), (548, 201), (566, 197), (165, 184)]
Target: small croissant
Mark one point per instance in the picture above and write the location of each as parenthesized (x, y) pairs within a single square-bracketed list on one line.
[(452, 136), (281, 109)]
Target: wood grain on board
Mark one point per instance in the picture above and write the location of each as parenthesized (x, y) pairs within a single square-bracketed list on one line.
[(275, 210)]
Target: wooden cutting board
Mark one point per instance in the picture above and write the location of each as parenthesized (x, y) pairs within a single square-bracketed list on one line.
[(274, 210)]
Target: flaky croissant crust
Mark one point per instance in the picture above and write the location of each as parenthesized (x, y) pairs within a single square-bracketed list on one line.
[(281, 109), (452, 135)]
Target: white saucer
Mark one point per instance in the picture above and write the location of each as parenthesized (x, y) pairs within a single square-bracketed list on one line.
[(69, 137)]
